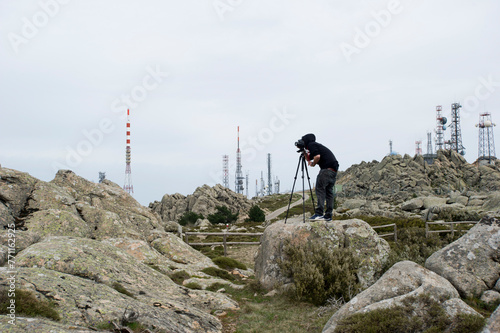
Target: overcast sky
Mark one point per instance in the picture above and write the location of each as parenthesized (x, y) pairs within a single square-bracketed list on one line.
[(355, 73)]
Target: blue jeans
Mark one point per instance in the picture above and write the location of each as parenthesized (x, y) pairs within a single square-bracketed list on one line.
[(324, 192)]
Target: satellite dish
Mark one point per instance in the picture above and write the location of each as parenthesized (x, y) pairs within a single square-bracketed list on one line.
[(444, 120), (444, 127), (487, 123), (462, 152)]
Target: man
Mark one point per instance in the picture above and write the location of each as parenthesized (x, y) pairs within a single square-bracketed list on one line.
[(322, 156)]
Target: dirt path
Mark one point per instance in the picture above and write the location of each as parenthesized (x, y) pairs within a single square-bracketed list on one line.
[(281, 210)]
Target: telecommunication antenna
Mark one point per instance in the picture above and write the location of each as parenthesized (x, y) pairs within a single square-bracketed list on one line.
[(269, 178), (440, 128), (486, 148), (102, 176), (239, 174), (418, 147), (128, 187), (225, 171), (456, 132)]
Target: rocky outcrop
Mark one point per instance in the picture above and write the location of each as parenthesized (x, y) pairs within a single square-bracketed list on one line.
[(72, 206), (405, 279), (86, 273), (355, 234), (203, 201), (97, 253), (449, 172), (471, 263)]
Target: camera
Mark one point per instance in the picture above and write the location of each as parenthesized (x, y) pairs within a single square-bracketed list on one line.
[(300, 144)]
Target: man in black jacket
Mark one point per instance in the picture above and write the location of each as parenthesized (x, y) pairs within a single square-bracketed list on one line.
[(319, 154)]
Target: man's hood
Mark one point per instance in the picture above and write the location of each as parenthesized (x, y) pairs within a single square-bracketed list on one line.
[(308, 138)]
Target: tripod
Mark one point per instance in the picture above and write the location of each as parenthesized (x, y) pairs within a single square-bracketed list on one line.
[(303, 165)]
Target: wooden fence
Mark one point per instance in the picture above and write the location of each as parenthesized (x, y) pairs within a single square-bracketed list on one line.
[(395, 233), (224, 238), (451, 224)]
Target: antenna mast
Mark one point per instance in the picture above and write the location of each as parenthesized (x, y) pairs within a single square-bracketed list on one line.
[(128, 187)]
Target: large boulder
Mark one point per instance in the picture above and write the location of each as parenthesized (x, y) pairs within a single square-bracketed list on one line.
[(355, 234), (203, 201), (106, 264), (405, 279), (471, 263), (85, 302)]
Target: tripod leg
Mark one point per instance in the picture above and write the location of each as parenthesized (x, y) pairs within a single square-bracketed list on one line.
[(303, 190), (291, 194), (310, 189)]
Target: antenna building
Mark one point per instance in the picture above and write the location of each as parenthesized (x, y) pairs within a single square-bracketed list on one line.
[(225, 171)]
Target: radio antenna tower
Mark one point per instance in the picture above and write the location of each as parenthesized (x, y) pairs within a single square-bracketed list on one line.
[(128, 187), (456, 132), (269, 178), (418, 147), (486, 150), (277, 186), (239, 174), (440, 127), (225, 171)]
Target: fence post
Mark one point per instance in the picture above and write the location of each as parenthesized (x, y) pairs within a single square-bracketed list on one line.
[(225, 247), (426, 230), (395, 233), (186, 238), (452, 229)]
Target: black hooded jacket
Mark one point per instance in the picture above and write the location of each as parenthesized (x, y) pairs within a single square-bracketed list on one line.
[(327, 159)]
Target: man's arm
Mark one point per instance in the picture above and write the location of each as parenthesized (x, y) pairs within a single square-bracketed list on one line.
[(315, 160)]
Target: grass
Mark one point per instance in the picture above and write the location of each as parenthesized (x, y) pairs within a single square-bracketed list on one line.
[(28, 304), (179, 277), (220, 273), (276, 201), (228, 263), (275, 314)]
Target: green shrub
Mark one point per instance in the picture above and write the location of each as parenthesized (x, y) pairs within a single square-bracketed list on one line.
[(193, 285), (223, 215), (189, 218), (256, 214), (213, 271), (216, 286), (228, 263), (28, 304), (416, 314), (179, 277), (319, 272), (121, 289)]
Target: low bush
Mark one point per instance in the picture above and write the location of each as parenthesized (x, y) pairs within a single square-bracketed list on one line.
[(416, 314), (320, 272), (228, 263), (222, 215), (217, 272), (189, 218), (193, 285), (255, 214), (179, 277)]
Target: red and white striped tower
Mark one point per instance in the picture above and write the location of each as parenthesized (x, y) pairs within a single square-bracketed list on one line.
[(128, 172)]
